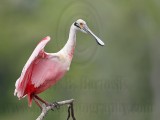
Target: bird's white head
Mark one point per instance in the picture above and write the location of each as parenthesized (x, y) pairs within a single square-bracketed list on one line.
[(79, 24), (82, 26)]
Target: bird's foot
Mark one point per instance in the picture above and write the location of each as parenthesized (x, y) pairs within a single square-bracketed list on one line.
[(57, 106), (53, 105)]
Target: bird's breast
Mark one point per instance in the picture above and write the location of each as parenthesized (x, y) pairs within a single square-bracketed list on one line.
[(65, 61)]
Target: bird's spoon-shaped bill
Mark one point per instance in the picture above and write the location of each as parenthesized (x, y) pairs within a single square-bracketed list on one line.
[(99, 41)]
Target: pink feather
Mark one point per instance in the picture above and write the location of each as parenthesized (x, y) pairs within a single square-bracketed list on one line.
[(41, 71)]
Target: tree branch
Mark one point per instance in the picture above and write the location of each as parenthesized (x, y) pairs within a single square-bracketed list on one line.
[(45, 109)]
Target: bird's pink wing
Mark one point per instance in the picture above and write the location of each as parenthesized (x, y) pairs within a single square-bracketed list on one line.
[(45, 73), (26, 72)]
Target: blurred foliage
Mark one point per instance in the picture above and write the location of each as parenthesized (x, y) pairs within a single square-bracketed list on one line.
[(108, 83)]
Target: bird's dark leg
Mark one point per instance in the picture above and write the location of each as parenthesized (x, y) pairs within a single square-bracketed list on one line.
[(41, 100), (54, 105), (39, 105)]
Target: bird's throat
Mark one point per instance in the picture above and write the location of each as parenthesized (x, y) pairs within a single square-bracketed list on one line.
[(69, 47)]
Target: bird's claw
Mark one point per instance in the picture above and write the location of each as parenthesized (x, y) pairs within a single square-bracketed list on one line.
[(53, 105), (56, 105)]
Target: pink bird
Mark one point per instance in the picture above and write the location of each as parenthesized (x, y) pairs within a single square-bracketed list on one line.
[(43, 69)]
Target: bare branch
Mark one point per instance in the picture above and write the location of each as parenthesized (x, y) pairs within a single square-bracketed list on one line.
[(45, 108)]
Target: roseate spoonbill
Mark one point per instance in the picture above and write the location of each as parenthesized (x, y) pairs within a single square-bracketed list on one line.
[(43, 69)]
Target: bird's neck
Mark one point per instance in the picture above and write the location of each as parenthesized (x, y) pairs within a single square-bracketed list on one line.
[(69, 47)]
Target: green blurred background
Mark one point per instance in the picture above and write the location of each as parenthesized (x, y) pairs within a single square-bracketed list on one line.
[(119, 81)]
